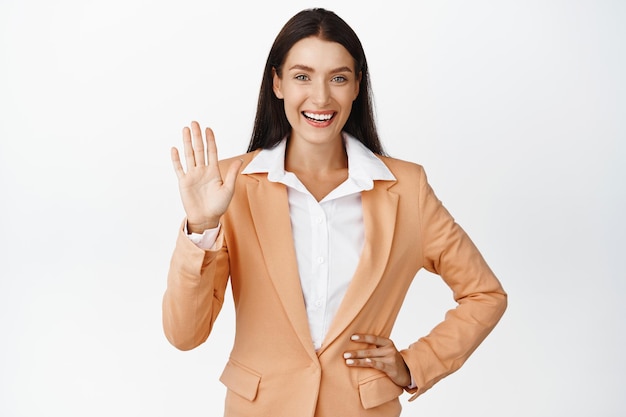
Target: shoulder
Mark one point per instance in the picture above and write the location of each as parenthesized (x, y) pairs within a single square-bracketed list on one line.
[(404, 170)]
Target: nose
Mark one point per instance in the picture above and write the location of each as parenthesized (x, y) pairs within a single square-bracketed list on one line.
[(320, 94)]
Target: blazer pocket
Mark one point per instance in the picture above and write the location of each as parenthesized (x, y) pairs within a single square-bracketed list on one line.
[(241, 380), (377, 390)]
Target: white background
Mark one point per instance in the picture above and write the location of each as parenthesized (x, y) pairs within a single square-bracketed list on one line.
[(515, 108)]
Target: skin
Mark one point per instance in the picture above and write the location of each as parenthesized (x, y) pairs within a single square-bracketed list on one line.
[(318, 81)]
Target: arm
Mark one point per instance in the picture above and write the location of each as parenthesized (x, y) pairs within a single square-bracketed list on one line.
[(197, 278), (449, 252), (195, 291)]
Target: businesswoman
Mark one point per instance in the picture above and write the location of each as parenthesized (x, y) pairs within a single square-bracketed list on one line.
[(321, 235)]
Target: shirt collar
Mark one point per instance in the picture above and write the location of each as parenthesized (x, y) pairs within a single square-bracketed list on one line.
[(364, 167)]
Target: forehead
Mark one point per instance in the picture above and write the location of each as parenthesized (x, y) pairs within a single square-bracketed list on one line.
[(319, 54)]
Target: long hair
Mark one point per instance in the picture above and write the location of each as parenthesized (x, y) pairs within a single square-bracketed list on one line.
[(271, 124)]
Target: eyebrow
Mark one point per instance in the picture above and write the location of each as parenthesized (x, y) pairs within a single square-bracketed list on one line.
[(309, 69)]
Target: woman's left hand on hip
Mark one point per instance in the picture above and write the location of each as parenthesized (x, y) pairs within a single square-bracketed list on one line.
[(384, 357)]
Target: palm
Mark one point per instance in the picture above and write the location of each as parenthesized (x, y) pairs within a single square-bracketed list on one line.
[(205, 195)]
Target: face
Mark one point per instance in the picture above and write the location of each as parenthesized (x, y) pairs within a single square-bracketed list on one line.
[(318, 85)]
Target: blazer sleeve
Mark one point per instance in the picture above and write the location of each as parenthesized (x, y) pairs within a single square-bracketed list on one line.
[(449, 252), (196, 284)]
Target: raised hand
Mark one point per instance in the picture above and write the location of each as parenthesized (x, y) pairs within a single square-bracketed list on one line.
[(384, 357), (204, 193)]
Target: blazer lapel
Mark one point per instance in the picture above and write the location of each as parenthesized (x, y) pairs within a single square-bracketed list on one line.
[(379, 216), (269, 206)]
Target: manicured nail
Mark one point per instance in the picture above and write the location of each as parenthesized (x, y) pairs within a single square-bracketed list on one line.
[(355, 337), (350, 361), (368, 360), (347, 355)]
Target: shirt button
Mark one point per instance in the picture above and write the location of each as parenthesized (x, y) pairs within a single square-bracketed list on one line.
[(320, 260), (318, 220), (318, 303)]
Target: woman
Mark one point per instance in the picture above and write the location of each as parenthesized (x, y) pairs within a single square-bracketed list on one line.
[(321, 236)]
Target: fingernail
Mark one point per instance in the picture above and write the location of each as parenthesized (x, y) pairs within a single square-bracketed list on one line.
[(349, 361), (368, 360), (347, 355), (355, 337)]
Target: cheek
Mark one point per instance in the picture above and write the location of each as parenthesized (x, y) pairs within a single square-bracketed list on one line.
[(292, 108), (293, 99), (349, 98)]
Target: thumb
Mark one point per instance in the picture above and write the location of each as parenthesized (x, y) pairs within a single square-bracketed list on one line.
[(231, 174)]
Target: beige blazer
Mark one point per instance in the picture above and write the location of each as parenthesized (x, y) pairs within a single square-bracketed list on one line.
[(274, 370)]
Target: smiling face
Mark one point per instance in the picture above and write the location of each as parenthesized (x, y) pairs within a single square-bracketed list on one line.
[(318, 84)]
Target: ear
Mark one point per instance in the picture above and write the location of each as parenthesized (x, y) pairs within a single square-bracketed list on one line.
[(357, 88), (277, 84)]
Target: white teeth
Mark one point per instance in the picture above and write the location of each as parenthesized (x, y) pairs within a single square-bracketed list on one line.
[(319, 117)]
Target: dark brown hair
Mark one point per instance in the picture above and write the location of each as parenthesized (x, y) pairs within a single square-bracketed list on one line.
[(270, 123)]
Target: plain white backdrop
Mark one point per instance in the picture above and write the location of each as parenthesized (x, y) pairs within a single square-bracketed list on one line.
[(515, 108)]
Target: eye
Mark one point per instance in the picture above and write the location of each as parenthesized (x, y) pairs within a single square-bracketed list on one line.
[(302, 77), (339, 79)]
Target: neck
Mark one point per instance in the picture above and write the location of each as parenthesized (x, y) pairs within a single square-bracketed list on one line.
[(319, 158)]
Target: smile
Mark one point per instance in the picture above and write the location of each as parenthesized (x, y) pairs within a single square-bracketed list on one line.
[(318, 117)]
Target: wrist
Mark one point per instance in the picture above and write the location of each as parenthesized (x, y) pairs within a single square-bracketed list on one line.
[(194, 227)]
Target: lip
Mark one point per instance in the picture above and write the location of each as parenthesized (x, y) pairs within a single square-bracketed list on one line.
[(326, 118)]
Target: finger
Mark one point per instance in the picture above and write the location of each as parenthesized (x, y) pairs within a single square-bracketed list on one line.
[(178, 167), (198, 144), (371, 339), (377, 353), (385, 364), (368, 363), (188, 149), (211, 151), (362, 363)]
